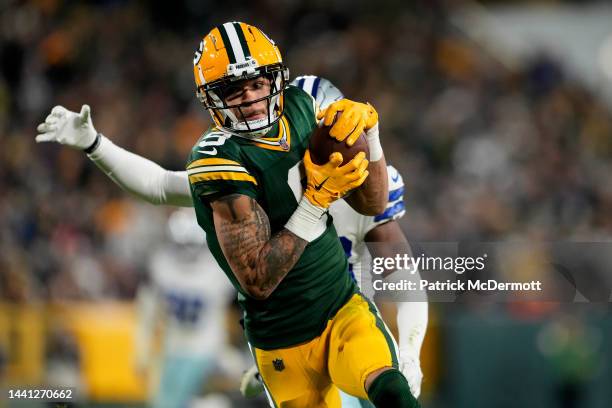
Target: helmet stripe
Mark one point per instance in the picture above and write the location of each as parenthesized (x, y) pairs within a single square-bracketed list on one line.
[(242, 39), (235, 42), (315, 87), (308, 83), (227, 44), (300, 83)]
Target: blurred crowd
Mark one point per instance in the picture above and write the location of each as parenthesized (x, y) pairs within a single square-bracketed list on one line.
[(489, 149)]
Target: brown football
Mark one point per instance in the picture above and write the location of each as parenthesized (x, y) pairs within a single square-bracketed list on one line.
[(322, 145)]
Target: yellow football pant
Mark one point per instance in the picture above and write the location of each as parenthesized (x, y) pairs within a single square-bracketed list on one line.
[(355, 343)]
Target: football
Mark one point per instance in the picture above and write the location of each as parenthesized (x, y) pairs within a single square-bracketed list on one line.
[(322, 145)]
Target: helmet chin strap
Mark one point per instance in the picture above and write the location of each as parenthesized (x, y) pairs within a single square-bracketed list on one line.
[(259, 124)]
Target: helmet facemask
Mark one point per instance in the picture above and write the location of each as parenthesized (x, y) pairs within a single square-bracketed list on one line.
[(231, 117)]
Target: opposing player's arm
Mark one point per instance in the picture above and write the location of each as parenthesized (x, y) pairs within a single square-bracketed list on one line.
[(388, 233), (134, 174), (411, 316), (141, 177), (371, 197), (355, 118), (259, 261)]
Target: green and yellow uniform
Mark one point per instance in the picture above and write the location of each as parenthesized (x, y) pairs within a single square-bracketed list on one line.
[(317, 297), (318, 285)]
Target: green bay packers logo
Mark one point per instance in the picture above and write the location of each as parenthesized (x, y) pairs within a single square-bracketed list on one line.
[(198, 53), (278, 364)]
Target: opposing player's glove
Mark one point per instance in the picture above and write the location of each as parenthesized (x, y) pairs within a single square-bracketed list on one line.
[(330, 181), (356, 117), (411, 368), (68, 128), (250, 384)]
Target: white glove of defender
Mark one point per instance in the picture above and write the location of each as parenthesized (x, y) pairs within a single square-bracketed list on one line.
[(68, 128), (251, 385), (411, 368)]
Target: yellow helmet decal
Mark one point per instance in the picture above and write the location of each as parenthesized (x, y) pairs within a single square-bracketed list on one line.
[(212, 59)]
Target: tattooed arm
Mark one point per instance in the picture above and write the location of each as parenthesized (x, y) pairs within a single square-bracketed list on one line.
[(259, 261)]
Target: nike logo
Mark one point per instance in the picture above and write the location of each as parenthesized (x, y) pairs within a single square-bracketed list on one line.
[(320, 186), (395, 178), (212, 151)]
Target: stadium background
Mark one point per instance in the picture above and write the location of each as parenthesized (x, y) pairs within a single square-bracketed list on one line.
[(495, 140)]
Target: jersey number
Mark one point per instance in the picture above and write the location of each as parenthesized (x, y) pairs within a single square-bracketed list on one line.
[(209, 142), (186, 310)]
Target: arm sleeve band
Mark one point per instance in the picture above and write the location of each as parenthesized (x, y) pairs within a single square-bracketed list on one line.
[(142, 177)]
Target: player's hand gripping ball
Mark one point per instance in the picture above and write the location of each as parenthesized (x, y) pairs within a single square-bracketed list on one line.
[(322, 145), (329, 182), (356, 118)]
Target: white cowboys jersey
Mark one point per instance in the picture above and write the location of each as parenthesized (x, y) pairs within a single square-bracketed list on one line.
[(352, 227), (195, 294)]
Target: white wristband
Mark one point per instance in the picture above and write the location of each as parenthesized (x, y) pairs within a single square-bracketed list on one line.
[(374, 146), (308, 221)]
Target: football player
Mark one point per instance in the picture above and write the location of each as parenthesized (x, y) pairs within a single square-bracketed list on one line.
[(156, 185), (184, 295), (273, 238), (355, 230)]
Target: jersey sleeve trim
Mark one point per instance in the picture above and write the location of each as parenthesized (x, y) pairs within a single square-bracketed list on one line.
[(396, 194), (218, 169), (221, 175), (211, 162), (395, 211)]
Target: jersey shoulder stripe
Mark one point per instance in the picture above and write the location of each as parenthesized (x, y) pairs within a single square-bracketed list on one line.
[(210, 162), (222, 175), (216, 167)]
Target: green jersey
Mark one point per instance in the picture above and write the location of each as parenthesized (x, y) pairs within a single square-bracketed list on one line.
[(268, 169)]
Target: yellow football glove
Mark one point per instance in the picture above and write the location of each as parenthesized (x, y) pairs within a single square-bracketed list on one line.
[(330, 181), (356, 117)]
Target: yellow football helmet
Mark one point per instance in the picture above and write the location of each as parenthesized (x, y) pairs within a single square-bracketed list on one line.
[(234, 52)]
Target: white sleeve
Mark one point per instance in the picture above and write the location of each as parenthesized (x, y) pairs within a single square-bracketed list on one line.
[(412, 325), (142, 177), (412, 316)]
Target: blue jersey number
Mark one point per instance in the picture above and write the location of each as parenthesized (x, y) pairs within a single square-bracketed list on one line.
[(184, 308)]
